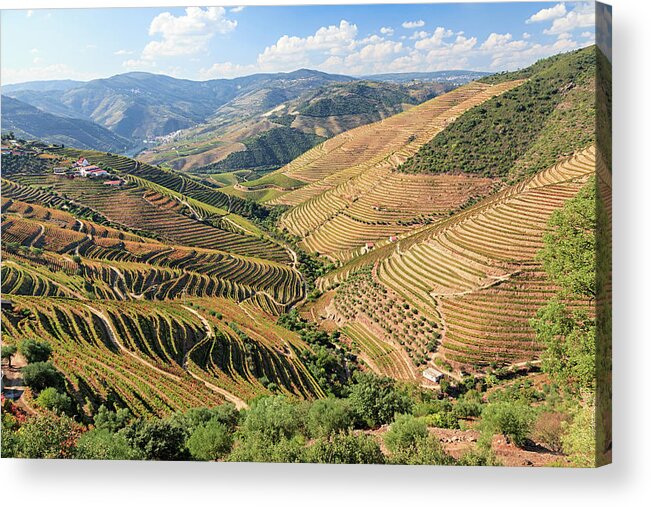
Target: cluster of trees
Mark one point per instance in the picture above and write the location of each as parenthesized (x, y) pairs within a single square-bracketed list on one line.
[(489, 139)]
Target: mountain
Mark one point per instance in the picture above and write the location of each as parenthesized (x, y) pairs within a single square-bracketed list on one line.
[(42, 86), (455, 76), (30, 122), (142, 105), (240, 131)]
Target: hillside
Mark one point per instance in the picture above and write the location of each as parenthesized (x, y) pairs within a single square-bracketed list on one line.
[(31, 123), (142, 105), (524, 130), (251, 121)]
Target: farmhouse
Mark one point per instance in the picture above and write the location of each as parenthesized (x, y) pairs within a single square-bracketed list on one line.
[(432, 374), (393, 239), (92, 171), (81, 162), (114, 183)]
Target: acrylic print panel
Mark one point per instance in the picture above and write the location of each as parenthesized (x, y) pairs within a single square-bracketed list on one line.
[(330, 234)]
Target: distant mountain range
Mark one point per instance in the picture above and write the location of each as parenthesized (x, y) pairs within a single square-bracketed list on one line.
[(139, 106), (454, 76), (30, 122)]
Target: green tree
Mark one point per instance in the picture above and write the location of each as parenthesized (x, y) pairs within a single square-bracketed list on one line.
[(156, 439), (376, 399), (513, 420), (110, 421), (329, 416), (425, 450), (274, 417), (346, 448), (35, 351), (53, 400), (210, 441), (7, 352), (47, 436), (260, 448), (404, 432), (104, 444), (39, 376)]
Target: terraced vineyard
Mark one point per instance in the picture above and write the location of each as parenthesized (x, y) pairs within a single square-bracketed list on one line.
[(476, 273), (357, 197)]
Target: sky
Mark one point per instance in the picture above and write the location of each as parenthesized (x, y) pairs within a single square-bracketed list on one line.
[(224, 42)]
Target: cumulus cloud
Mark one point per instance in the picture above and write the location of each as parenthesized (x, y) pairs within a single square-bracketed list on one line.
[(292, 52), (187, 34), (547, 14), (419, 34), (138, 63), (386, 30), (436, 39), (235, 10), (226, 70), (413, 24), (581, 17)]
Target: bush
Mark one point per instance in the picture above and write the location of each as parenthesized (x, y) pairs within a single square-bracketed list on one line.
[(513, 420), (376, 400), (274, 417), (35, 351), (7, 351), (330, 416), (105, 419), (53, 400), (38, 376), (549, 430), (103, 444), (156, 439), (404, 433), (47, 436), (210, 441), (346, 448)]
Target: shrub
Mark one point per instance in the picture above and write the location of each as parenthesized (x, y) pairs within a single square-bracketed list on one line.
[(376, 400), (210, 441), (274, 417), (346, 448), (103, 444), (549, 430), (35, 351), (39, 376), (404, 432), (330, 416), (53, 400), (513, 420)]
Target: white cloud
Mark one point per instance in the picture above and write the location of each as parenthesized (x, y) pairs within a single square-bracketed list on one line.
[(226, 70), (582, 16), (122, 52), (29, 13), (419, 34), (526, 35), (436, 40), (413, 24), (386, 30), (187, 34), (37, 60), (547, 14), (587, 35), (235, 10), (290, 52), (34, 51)]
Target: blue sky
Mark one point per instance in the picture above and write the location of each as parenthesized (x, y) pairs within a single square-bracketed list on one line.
[(215, 42)]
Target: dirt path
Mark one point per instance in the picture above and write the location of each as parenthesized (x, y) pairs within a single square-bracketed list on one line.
[(13, 386), (38, 236), (238, 402)]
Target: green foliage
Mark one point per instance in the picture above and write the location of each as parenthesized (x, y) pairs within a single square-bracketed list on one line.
[(47, 436), (51, 399), (346, 448), (568, 254), (106, 419), (404, 433), (261, 449), (273, 418), (490, 138), (35, 351), (8, 351), (39, 376), (376, 399), (513, 420), (156, 439), (210, 441), (579, 441), (329, 416), (270, 149), (192, 418), (424, 451), (104, 444)]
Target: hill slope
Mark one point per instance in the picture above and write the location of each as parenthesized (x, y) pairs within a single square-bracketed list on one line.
[(31, 123)]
